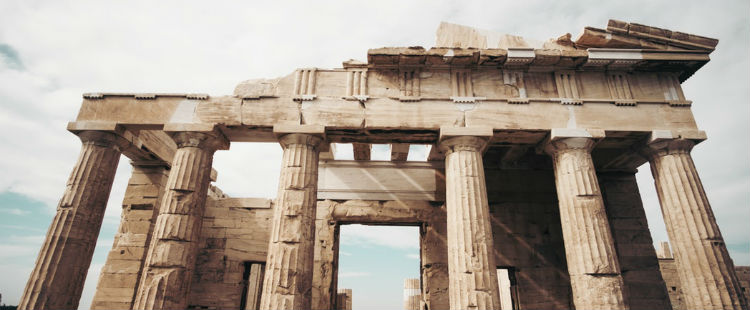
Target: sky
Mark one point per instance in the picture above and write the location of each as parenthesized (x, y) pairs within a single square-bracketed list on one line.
[(53, 51)]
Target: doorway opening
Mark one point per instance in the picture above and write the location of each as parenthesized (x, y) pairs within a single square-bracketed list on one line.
[(506, 282), (374, 262)]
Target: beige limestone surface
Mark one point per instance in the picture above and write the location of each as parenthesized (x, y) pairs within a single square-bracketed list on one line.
[(570, 227)]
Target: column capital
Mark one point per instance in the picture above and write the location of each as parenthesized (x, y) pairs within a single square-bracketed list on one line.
[(464, 138), (312, 135), (667, 147), (106, 134), (665, 142), (300, 138), (104, 139), (563, 139), (205, 136)]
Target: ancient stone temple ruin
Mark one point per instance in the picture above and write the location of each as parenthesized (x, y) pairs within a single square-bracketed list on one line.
[(531, 174)]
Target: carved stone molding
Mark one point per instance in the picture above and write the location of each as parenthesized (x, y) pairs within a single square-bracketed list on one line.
[(356, 85), (304, 84), (567, 87), (409, 84)]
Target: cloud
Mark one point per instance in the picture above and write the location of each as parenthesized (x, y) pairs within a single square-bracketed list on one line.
[(354, 274), (397, 237), (412, 256), (17, 250), (16, 246), (15, 277), (15, 211), (9, 56), (21, 227), (89, 288)]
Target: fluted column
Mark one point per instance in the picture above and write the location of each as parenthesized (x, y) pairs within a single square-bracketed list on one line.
[(170, 261), (705, 268), (595, 276), (289, 266), (471, 264), (57, 279)]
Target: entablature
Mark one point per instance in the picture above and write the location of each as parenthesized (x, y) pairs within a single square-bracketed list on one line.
[(626, 85), (682, 62)]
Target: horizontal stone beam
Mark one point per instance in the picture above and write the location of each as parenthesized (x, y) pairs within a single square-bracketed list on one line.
[(252, 121), (147, 147), (380, 180), (383, 212), (395, 57)]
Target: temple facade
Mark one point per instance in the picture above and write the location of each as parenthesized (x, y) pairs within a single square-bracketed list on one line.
[(527, 200)]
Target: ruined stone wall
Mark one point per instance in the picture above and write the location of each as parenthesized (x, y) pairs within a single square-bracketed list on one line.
[(121, 272), (674, 284), (668, 269), (235, 231), (526, 231), (527, 234), (743, 275), (434, 259), (325, 259), (526, 228), (434, 262), (635, 249)]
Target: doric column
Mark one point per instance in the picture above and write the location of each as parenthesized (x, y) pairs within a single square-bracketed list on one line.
[(595, 276), (57, 279), (471, 263), (705, 268), (170, 261), (289, 266)]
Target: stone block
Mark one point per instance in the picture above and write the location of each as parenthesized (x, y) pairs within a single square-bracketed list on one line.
[(135, 253), (103, 304), (133, 214), (215, 243), (118, 266), (118, 280)]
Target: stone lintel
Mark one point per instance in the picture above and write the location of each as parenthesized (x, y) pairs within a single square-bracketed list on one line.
[(149, 163), (564, 133), (283, 129), (194, 127), (113, 127), (696, 136), (447, 132)]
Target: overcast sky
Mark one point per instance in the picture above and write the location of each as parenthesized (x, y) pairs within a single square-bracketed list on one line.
[(53, 51)]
